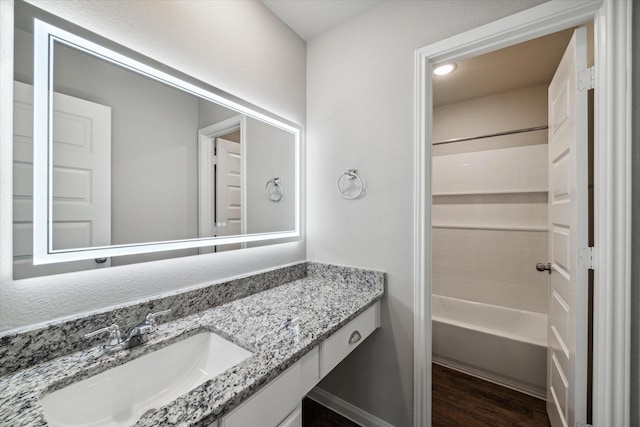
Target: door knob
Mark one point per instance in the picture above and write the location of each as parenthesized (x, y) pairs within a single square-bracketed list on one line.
[(542, 267)]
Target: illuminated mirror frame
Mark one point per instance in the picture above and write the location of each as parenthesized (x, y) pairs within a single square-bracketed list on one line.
[(45, 35)]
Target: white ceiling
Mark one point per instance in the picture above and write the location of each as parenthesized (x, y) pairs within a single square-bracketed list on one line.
[(524, 64), (308, 18)]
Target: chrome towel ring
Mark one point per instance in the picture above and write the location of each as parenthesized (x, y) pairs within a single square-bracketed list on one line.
[(274, 190), (350, 185)]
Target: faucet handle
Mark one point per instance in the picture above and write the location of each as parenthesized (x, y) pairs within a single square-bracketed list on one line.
[(114, 337), (151, 318)]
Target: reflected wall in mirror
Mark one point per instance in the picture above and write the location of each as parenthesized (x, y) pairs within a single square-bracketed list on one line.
[(130, 163)]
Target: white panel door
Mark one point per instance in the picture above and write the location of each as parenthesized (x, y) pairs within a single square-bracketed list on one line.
[(81, 180), (568, 232), (228, 191)]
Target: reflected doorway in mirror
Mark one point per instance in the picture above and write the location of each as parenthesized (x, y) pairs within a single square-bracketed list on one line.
[(221, 166)]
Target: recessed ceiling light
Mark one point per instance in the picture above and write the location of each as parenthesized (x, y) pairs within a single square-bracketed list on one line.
[(445, 69)]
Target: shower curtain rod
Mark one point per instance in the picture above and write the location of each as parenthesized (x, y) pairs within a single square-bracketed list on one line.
[(508, 132)]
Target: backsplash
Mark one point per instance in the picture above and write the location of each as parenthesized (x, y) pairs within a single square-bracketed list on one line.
[(20, 349), (344, 274), (25, 348)]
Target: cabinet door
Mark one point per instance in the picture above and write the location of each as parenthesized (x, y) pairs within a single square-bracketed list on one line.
[(269, 406), (309, 371), (294, 419)]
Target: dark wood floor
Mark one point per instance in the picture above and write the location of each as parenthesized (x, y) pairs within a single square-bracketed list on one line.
[(459, 400), (316, 415), (463, 400)]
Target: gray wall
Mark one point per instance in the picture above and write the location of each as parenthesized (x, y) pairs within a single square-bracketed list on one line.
[(154, 150), (263, 63), (270, 154), (210, 113), (360, 92), (635, 212)]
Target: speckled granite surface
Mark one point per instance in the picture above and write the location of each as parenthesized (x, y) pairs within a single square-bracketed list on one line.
[(21, 349), (319, 304)]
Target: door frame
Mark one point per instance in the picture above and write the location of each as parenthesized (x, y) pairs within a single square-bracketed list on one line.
[(205, 175), (612, 164)]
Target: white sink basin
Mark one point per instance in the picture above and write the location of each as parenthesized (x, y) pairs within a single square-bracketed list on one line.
[(121, 395)]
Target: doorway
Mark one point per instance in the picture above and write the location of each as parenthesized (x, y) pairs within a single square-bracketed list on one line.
[(221, 171), (491, 217), (612, 145)]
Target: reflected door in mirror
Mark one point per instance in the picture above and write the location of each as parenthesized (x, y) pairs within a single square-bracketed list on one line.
[(228, 194), (81, 175)]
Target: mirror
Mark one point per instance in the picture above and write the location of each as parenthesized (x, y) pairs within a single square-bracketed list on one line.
[(130, 161)]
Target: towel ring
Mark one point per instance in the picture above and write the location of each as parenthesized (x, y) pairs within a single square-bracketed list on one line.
[(350, 185), (274, 190)]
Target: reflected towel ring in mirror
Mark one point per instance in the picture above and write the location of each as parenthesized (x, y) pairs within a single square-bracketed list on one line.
[(274, 190), (350, 185)]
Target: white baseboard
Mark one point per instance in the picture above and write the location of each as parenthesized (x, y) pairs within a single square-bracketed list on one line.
[(488, 377), (346, 409)]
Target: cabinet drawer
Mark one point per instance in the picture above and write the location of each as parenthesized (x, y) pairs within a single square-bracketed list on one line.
[(271, 405), (346, 339)]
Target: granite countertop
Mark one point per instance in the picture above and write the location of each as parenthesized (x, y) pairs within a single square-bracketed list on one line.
[(317, 305)]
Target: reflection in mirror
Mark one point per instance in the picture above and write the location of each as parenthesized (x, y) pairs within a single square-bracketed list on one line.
[(140, 162)]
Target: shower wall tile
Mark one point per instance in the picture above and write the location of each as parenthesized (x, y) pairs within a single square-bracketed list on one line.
[(491, 143), (490, 200), (518, 169), (489, 291), (491, 266), (515, 109), (523, 210)]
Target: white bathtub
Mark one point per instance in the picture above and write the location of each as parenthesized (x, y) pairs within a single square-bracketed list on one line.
[(502, 345)]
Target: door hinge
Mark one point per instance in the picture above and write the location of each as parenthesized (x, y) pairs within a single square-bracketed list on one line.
[(581, 424), (586, 79), (586, 258), (215, 160)]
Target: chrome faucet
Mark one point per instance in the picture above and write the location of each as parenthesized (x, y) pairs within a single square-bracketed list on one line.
[(114, 340), (136, 336), (150, 325)]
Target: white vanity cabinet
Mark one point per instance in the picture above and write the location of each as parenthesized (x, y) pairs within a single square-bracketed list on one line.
[(294, 419), (270, 406), (279, 403)]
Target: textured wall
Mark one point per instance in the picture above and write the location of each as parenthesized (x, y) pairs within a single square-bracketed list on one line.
[(237, 46), (360, 101)]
